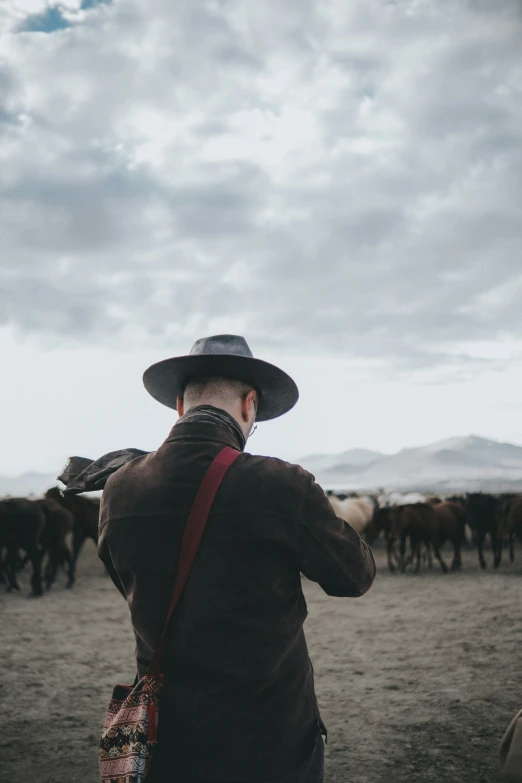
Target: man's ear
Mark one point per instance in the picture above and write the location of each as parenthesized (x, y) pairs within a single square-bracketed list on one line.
[(245, 404), (179, 405), (244, 408)]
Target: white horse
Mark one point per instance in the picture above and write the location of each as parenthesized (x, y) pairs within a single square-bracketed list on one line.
[(358, 512)]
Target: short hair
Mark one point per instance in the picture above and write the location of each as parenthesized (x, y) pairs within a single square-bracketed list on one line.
[(227, 389)]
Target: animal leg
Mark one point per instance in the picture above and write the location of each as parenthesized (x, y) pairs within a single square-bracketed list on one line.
[(21, 561), (443, 566), (496, 545), (36, 557), (413, 550), (65, 558), (389, 550), (402, 554), (51, 568), (78, 541), (3, 570), (511, 548), (457, 562), (480, 549), (418, 554), (10, 568)]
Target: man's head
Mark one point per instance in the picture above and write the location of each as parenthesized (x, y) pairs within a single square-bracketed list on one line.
[(236, 397), (222, 356)]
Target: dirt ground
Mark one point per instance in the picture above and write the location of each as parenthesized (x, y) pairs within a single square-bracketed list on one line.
[(416, 681)]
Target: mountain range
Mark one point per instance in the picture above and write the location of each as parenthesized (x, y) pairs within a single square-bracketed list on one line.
[(456, 464), (31, 483)]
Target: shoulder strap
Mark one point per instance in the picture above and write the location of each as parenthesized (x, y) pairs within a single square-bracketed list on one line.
[(192, 537)]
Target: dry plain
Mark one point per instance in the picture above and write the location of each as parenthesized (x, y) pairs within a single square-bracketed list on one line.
[(416, 680)]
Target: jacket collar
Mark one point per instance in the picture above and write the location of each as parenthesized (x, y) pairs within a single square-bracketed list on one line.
[(202, 431)]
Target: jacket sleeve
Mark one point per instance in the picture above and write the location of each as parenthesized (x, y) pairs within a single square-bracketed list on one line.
[(331, 552), (105, 556)]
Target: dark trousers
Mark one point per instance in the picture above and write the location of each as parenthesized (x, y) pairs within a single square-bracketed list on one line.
[(311, 771)]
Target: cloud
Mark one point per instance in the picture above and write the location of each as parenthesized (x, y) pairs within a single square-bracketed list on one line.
[(338, 178)]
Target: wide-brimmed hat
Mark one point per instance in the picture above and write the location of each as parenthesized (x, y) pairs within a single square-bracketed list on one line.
[(224, 356)]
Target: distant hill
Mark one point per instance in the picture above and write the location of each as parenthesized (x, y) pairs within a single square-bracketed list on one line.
[(462, 463), (26, 484), (353, 460), (456, 464)]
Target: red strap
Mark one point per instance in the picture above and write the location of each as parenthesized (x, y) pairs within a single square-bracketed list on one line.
[(191, 538)]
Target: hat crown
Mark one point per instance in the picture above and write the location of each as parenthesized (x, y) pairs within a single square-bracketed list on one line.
[(221, 345), (224, 356)]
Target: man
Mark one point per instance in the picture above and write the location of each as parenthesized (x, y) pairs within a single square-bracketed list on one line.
[(239, 701)]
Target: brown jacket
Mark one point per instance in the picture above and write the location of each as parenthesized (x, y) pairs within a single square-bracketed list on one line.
[(239, 700)]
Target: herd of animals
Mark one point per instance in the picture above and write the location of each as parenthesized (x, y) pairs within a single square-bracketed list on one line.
[(426, 523), (38, 531), (48, 532)]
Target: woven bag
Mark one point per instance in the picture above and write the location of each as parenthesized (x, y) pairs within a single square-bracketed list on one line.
[(129, 735)]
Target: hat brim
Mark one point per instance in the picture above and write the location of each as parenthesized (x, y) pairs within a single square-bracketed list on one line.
[(278, 392)]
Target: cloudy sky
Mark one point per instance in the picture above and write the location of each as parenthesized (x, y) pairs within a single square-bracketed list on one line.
[(339, 182)]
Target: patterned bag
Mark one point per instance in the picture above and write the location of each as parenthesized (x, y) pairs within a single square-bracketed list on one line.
[(129, 734)]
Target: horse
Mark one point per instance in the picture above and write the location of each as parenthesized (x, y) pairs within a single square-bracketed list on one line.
[(482, 517), (59, 522), (451, 525), (431, 526), (381, 523), (86, 513), (22, 526), (416, 521), (357, 511), (509, 519)]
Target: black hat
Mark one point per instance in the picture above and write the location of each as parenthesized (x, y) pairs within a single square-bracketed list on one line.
[(225, 356)]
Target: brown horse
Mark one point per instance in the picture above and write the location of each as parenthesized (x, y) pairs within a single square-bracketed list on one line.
[(416, 522), (510, 522), (86, 512), (59, 522), (482, 516), (381, 523), (22, 526), (430, 525), (451, 526)]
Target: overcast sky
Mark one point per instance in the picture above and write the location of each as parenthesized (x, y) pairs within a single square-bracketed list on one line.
[(340, 182)]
